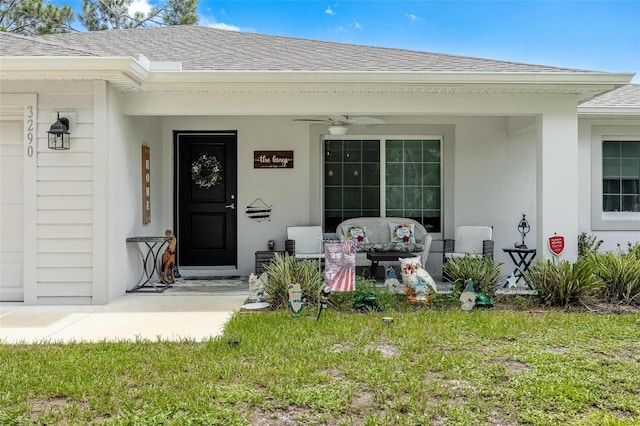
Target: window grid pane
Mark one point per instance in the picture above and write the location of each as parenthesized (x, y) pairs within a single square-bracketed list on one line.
[(351, 180), (413, 181), (352, 171), (621, 176)]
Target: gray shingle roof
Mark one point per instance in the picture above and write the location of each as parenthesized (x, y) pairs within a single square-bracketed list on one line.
[(17, 45), (625, 96), (204, 48)]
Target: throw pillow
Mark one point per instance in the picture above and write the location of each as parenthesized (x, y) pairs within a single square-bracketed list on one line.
[(356, 233), (402, 232)]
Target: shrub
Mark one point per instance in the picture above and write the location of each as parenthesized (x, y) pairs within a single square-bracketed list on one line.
[(483, 271), (620, 273), (587, 244), (564, 283), (285, 270)]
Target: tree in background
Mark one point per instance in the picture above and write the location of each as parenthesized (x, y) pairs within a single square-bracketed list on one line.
[(33, 17), (100, 15)]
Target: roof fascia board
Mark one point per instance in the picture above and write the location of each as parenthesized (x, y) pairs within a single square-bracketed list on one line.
[(577, 78), (47, 65), (612, 111)]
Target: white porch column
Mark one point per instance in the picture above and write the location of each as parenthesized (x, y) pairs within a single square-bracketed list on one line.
[(557, 178)]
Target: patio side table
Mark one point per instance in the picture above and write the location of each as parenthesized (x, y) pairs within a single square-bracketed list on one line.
[(522, 259), (385, 256), (149, 249)]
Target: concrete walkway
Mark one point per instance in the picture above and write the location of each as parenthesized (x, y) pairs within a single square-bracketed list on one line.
[(182, 312)]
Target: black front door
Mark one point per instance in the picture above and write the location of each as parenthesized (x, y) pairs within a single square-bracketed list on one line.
[(205, 186)]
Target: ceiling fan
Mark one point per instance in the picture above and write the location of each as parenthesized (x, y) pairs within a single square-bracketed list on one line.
[(338, 123)]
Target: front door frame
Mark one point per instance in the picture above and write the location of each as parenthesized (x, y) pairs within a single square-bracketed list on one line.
[(232, 200)]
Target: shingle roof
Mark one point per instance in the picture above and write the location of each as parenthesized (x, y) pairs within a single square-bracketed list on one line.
[(17, 45), (204, 48), (625, 96)]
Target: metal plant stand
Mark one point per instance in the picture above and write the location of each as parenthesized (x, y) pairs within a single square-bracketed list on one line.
[(149, 249)]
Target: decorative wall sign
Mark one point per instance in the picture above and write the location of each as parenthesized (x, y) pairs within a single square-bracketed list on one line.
[(556, 244), (273, 159), (146, 185), (259, 210)]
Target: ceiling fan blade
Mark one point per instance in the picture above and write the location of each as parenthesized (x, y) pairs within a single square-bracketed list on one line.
[(314, 120), (364, 120)]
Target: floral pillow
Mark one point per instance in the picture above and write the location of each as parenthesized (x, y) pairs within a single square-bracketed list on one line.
[(356, 233), (402, 232)]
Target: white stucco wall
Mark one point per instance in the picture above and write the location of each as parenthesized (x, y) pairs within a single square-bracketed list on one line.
[(591, 132), (126, 135)]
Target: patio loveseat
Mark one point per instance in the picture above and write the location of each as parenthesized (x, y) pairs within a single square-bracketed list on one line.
[(385, 234)]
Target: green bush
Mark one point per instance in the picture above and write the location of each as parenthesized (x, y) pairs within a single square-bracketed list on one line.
[(587, 244), (564, 283), (620, 273), (483, 271), (285, 270)]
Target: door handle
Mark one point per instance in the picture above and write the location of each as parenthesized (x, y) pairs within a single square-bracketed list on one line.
[(231, 206)]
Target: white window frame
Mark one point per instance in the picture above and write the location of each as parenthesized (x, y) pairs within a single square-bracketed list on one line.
[(601, 220)]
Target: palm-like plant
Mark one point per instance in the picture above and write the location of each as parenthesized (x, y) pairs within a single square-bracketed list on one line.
[(284, 270), (564, 283)]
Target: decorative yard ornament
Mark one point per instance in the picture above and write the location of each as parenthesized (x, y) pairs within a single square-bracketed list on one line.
[(512, 281), (340, 266), (169, 258), (556, 244), (523, 228), (391, 281), (295, 298), (468, 296), (206, 171)]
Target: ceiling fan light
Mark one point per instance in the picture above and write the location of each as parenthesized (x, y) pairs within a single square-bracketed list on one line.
[(338, 130)]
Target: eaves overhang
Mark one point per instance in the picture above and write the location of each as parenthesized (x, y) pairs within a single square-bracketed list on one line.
[(139, 75), (609, 113)]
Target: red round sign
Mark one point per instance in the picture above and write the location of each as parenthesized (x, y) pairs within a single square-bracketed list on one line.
[(556, 244)]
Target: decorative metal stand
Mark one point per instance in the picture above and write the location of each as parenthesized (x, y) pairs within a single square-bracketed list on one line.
[(151, 277)]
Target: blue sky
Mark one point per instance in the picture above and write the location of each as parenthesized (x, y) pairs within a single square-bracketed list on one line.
[(602, 35)]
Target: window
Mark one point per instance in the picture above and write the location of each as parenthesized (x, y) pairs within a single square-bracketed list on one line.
[(621, 176), (382, 177)]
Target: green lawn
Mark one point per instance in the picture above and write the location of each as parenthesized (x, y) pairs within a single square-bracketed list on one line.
[(438, 367)]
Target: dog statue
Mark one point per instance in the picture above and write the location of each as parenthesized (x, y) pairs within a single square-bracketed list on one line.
[(169, 258)]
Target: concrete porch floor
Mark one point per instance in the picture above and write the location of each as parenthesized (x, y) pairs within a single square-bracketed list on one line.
[(196, 310)]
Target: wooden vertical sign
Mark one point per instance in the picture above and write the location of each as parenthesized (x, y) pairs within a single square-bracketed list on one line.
[(146, 185)]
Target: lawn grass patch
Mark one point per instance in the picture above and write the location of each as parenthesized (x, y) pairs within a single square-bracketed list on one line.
[(427, 367)]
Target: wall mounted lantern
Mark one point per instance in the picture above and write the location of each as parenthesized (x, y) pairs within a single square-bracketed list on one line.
[(59, 134)]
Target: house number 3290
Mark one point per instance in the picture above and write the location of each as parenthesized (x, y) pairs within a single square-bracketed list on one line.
[(29, 128)]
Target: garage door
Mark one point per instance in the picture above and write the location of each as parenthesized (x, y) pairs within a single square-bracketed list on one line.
[(11, 210)]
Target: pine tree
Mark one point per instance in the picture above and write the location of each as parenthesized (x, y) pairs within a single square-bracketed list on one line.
[(33, 17)]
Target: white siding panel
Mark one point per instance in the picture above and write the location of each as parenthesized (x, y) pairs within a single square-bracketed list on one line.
[(65, 202), (58, 260), (65, 188), (53, 289), (75, 99), (71, 300), (48, 157), (64, 231), (64, 173), (66, 275), (65, 216), (69, 245)]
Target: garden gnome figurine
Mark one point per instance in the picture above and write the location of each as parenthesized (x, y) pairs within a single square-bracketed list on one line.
[(468, 296), (391, 281)]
